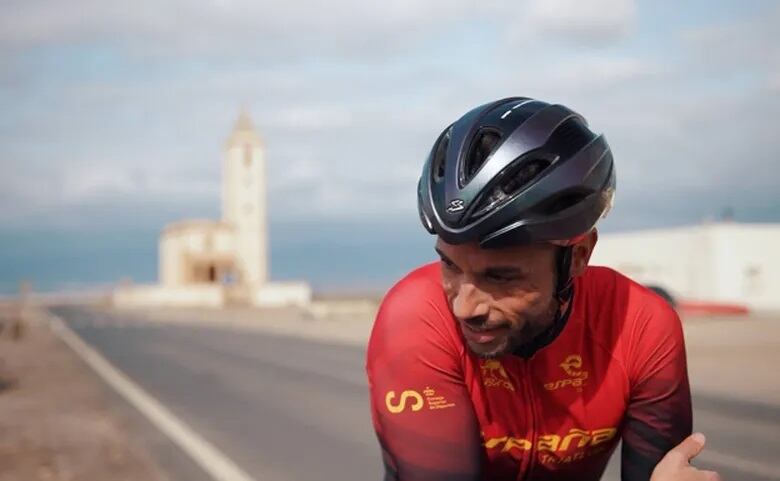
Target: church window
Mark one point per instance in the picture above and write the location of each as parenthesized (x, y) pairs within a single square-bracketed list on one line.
[(247, 155)]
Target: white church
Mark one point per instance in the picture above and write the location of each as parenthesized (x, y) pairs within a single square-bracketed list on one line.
[(213, 263)]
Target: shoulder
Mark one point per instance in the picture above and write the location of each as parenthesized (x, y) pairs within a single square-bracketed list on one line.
[(628, 316), (414, 315), (606, 289), (419, 286)]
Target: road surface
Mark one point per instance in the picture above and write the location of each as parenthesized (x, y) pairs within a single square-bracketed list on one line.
[(284, 408)]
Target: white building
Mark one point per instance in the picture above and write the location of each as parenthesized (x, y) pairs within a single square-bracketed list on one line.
[(725, 262), (213, 263)]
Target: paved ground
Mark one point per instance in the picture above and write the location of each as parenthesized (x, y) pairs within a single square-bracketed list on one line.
[(282, 408), (286, 408), (56, 422)]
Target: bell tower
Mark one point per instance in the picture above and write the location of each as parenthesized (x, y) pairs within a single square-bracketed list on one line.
[(244, 200)]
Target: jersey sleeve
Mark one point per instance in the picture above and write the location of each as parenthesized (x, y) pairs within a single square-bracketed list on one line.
[(421, 408), (659, 411)]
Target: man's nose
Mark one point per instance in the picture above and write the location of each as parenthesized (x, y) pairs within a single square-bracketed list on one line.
[(469, 302)]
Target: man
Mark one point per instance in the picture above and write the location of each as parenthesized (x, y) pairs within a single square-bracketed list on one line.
[(511, 359)]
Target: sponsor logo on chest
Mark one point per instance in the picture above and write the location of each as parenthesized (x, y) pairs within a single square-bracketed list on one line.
[(494, 375), (574, 375)]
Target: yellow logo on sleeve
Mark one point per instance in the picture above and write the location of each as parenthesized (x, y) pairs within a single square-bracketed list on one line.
[(396, 408), (414, 400)]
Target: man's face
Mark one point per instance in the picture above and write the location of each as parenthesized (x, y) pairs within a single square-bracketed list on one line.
[(502, 298)]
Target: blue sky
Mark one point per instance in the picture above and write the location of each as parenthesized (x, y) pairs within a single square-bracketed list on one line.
[(114, 115)]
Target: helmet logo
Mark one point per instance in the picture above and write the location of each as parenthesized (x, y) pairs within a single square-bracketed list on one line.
[(456, 205)]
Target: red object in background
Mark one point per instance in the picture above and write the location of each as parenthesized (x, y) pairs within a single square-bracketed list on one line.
[(702, 308)]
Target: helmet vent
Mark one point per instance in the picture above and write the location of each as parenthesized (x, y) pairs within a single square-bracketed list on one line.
[(484, 143), (571, 136), (526, 172), (514, 179), (439, 155)]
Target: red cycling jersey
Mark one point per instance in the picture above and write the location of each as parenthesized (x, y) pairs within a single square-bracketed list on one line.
[(616, 370)]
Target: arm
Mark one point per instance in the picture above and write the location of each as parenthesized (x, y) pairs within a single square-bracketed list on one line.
[(659, 411), (421, 409), (676, 465)]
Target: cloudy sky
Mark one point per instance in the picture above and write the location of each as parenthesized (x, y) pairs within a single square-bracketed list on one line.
[(114, 115)]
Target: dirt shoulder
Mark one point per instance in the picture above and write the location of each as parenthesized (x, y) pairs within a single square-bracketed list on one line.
[(56, 420), (735, 357), (341, 322)]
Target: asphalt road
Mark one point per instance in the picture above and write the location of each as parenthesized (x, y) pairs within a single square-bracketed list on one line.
[(288, 409)]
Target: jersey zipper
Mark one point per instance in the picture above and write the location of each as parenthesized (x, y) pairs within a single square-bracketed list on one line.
[(529, 393)]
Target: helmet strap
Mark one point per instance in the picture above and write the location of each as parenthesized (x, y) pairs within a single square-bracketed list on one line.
[(564, 281), (564, 292)]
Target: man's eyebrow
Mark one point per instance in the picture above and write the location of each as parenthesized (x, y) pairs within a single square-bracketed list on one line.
[(441, 254), (505, 270)]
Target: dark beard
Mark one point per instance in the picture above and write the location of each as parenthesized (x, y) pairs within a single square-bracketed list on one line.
[(527, 337)]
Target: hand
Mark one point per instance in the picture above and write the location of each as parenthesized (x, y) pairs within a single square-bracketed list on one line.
[(675, 466)]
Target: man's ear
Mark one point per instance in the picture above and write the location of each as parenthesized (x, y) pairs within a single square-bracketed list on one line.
[(581, 253)]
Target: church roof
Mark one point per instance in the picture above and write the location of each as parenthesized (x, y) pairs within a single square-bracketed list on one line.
[(244, 130), (243, 123)]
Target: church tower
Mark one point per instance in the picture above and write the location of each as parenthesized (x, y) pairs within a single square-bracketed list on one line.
[(244, 200)]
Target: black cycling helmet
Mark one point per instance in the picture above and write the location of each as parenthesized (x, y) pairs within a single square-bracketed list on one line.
[(516, 171)]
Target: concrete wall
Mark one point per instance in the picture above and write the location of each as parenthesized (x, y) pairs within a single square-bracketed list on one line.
[(204, 295), (171, 261), (728, 262), (748, 264), (344, 308), (279, 294), (676, 259)]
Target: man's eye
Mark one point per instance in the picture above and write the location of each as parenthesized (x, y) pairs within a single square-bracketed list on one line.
[(499, 278), (448, 264)]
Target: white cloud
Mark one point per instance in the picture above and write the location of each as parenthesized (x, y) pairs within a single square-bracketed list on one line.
[(82, 185), (352, 132), (283, 30), (597, 73), (314, 117), (594, 21), (752, 43), (237, 27), (773, 82)]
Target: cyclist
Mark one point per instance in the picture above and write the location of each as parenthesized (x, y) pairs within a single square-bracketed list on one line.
[(511, 358)]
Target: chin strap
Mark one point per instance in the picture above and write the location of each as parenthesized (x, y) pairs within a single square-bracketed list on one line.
[(545, 338), (564, 292), (564, 282)]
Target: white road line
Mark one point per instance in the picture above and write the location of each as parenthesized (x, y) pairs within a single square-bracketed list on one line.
[(206, 455), (723, 460)]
